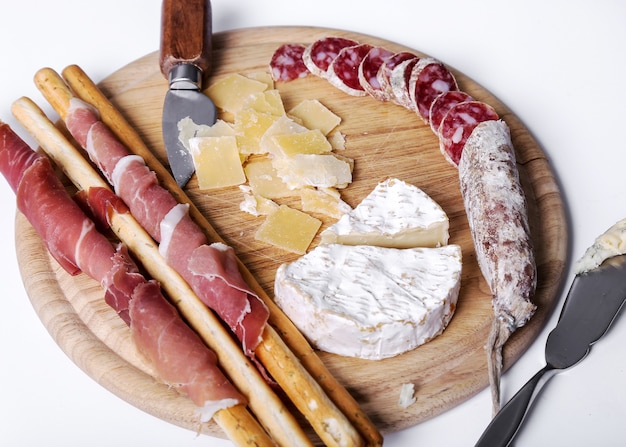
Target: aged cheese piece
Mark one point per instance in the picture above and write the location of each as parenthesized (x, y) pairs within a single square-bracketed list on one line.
[(337, 140), (325, 201), (264, 180), (315, 115), (262, 76), (188, 129), (610, 243), (407, 395), (307, 142), (255, 204), (231, 92), (282, 126), (289, 229), (394, 214), (319, 170), (217, 162), (268, 101), (250, 126), (370, 302)]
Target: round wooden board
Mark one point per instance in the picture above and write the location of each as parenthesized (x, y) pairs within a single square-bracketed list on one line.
[(386, 141)]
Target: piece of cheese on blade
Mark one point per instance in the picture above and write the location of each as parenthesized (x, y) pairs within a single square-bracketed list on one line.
[(217, 162), (370, 302), (231, 92), (289, 229), (395, 214)]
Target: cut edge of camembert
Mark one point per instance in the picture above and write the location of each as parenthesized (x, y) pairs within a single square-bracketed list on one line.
[(395, 214)]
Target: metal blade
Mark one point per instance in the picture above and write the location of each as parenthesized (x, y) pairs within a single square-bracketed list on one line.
[(594, 300), (181, 104)]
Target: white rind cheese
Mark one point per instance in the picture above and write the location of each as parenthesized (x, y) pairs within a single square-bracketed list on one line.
[(395, 214), (609, 244), (370, 302)]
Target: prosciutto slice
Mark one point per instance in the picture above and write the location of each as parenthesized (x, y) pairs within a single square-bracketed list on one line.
[(210, 269), (180, 357)]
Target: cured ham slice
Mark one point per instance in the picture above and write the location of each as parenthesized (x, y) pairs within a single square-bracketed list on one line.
[(180, 357), (182, 242)]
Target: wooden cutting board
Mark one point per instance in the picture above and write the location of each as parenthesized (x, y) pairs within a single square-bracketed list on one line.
[(386, 141)]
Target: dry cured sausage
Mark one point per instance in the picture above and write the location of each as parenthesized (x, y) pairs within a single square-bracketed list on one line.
[(497, 213)]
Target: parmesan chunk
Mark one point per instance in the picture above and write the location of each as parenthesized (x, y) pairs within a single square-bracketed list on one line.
[(188, 129), (325, 201), (315, 115), (268, 101), (307, 142), (319, 170), (250, 126), (217, 162), (255, 204), (289, 229), (282, 126), (231, 92), (264, 180)]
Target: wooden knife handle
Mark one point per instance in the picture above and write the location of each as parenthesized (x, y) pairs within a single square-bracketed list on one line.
[(186, 28)]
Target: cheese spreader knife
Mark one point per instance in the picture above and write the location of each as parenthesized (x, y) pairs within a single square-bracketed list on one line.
[(185, 60), (593, 301)]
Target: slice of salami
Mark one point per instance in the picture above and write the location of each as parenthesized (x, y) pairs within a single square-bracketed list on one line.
[(428, 80), (385, 70), (458, 124), (368, 71), (400, 77), (319, 55), (343, 72), (287, 64), (442, 104)]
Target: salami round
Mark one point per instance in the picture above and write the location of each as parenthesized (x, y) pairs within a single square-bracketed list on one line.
[(400, 77), (368, 71), (343, 72), (458, 124), (319, 55), (442, 104), (429, 79), (287, 64), (385, 70)]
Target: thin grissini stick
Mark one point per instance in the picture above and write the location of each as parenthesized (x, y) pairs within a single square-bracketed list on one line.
[(269, 409), (331, 425), (329, 422), (84, 88)]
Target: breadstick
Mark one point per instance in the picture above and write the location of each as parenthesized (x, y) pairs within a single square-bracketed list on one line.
[(269, 409), (86, 89), (331, 425)]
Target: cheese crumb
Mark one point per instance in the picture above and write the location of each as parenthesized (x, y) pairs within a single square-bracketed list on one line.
[(407, 395)]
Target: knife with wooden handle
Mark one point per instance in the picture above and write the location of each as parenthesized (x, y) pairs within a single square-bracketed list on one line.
[(185, 60)]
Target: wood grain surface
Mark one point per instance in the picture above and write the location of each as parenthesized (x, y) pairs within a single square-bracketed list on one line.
[(385, 140)]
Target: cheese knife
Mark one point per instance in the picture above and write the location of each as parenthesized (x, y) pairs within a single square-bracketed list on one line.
[(185, 60), (593, 301)]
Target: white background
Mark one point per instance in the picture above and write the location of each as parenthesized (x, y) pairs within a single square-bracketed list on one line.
[(559, 65)]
